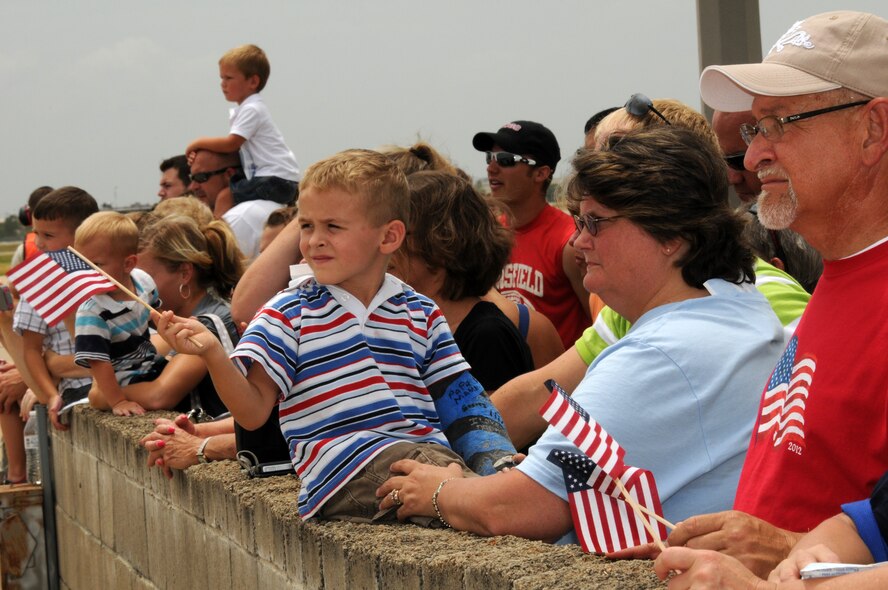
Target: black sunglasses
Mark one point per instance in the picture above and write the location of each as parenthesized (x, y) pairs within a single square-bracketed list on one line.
[(507, 159), (638, 105), (201, 177), (735, 161)]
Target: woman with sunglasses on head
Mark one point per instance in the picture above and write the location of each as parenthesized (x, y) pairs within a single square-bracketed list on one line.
[(680, 391)]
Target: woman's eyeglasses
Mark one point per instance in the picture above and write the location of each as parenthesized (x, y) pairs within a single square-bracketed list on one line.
[(590, 223), (507, 159)]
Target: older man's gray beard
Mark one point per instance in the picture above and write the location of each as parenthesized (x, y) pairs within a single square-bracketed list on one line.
[(778, 210)]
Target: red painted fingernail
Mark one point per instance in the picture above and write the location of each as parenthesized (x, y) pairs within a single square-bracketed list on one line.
[(171, 430), (160, 444)]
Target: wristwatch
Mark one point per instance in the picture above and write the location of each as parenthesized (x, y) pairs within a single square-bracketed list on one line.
[(201, 458)]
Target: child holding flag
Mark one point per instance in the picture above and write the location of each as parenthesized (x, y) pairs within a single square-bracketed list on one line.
[(55, 218)]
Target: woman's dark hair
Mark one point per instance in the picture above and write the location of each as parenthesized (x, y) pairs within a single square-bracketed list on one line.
[(452, 227), (673, 184)]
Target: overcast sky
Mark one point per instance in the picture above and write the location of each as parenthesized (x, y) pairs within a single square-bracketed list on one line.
[(96, 94)]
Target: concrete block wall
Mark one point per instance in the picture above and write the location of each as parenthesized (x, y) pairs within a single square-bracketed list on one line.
[(122, 525)]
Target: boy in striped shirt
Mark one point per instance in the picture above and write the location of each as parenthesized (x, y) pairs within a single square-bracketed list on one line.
[(364, 369), (111, 330)]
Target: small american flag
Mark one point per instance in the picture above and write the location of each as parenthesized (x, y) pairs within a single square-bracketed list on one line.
[(56, 283), (786, 396), (603, 521), (571, 420)]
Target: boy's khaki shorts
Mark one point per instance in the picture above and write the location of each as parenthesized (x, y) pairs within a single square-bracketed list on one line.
[(357, 501)]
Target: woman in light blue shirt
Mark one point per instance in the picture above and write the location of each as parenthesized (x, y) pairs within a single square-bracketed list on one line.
[(662, 248)]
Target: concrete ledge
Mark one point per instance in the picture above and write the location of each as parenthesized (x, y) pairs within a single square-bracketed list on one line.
[(122, 525)]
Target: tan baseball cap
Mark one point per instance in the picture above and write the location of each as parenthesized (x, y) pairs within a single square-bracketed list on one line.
[(822, 52)]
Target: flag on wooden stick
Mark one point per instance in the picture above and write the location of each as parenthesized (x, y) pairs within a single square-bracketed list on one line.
[(56, 283), (605, 522), (614, 505), (571, 420)]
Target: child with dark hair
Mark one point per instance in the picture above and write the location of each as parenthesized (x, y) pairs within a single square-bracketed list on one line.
[(454, 255), (55, 219)]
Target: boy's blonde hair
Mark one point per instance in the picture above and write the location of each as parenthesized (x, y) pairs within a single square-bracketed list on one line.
[(117, 228), (250, 61), (368, 174)]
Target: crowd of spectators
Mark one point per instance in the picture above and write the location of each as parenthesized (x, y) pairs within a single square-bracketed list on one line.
[(393, 329)]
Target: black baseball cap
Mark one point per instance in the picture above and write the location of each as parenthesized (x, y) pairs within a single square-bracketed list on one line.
[(522, 137)]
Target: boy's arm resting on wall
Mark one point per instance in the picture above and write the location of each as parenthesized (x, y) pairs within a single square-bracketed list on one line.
[(41, 382), (106, 381), (471, 423), (179, 377)]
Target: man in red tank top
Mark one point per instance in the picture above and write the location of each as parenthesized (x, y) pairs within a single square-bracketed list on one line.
[(819, 144)]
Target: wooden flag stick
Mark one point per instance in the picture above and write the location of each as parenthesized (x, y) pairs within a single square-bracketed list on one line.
[(640, 512), (656, 517), (122, 288)]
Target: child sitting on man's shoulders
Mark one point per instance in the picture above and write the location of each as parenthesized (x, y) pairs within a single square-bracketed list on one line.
[(269, 169)]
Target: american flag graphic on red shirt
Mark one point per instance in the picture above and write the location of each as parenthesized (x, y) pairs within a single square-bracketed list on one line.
[(786, 397)]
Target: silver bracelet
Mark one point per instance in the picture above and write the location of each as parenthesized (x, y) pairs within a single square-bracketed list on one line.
[(435, 502), (201, 457)]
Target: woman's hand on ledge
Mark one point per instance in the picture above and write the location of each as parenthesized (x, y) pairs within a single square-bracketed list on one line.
[(172, 445), (416, 484)]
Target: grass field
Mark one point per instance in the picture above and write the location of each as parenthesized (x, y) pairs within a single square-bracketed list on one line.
[(6, 251)]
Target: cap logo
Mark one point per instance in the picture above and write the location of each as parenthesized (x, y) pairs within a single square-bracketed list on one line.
[(794, 36), (512, 126)]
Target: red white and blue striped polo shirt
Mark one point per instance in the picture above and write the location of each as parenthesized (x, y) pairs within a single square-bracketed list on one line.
[(353, 380)]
